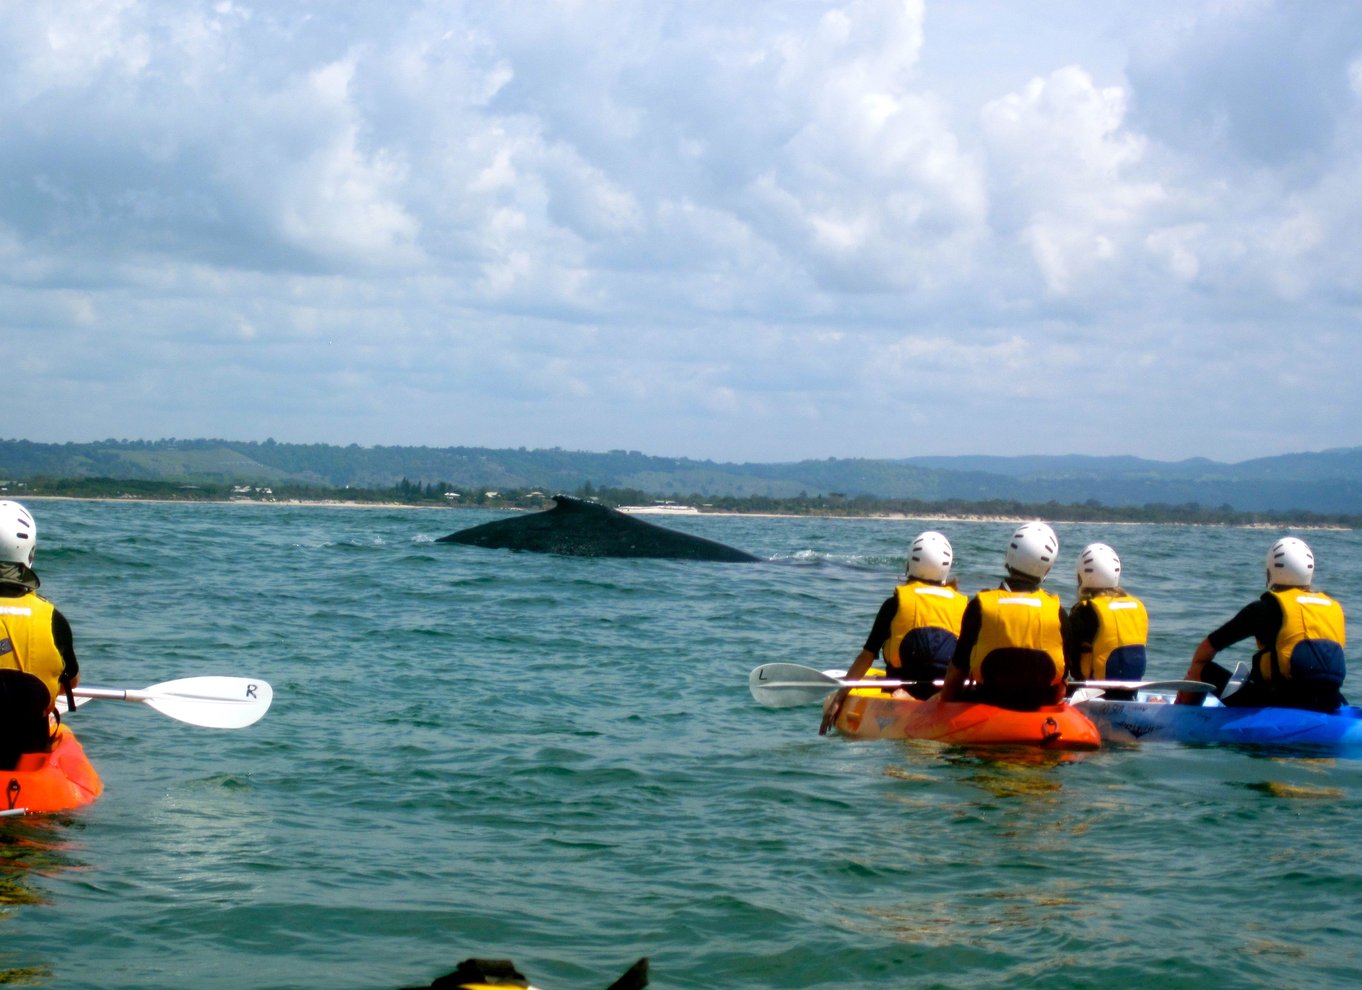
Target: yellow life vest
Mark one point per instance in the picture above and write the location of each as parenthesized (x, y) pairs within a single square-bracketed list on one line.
[(1021, 641), (26, 641), (1118, 646), (1309, 646), (932, 608)]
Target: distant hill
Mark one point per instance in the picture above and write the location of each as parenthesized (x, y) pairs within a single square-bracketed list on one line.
[(1326, 482)]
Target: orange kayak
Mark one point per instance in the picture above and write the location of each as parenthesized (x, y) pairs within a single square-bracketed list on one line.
[(871, 714), (55, 781)]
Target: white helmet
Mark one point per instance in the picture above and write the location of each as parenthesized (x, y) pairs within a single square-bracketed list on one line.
[(18, 534), (929, 558), (1290, 563), (1098, 568), (1033, 550)]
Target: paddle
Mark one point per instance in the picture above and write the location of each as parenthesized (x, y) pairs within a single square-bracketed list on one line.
[(1238, 677), (786, 685), (1172, 685), (214, 702)]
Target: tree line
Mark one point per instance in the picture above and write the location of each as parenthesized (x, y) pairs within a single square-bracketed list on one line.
[(430, 493)]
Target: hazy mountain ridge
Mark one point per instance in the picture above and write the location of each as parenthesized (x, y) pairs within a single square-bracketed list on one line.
[(1326, 481)]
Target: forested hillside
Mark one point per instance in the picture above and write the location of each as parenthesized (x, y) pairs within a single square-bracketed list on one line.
[(1326, 482)]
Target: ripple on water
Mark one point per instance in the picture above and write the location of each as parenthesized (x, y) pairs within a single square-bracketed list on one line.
[(484, 753)]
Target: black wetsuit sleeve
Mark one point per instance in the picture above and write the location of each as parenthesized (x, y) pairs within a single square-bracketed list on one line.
[(884, 620), (1261, 619), (1082, 631), (66, 645), (970, 624), (1068, 640)]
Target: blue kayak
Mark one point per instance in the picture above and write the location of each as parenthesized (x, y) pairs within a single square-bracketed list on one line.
[(1157, 720)]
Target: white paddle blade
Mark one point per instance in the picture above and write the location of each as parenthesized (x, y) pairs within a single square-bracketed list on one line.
[(1237, 678), (213, 702), (783, 694), (788, 685)]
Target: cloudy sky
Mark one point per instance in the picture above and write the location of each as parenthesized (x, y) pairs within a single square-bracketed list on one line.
[(756, 231)]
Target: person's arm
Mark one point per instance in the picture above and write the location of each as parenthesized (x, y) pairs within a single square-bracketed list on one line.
[(1066, 642), (1082, 631), (958, 671), (1258, 619), (860, 665), (879, 635), (1205, 652), (66, 646), (953, 685)]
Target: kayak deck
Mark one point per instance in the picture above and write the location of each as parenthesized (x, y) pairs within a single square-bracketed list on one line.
[(59, 780), (1158, 720), (872, 714)]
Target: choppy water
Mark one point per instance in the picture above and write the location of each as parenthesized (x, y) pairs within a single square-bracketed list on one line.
[(557, 760)]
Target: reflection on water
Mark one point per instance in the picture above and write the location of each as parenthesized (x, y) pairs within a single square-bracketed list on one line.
[(31, 849), (1005, 773), (1297, 791)]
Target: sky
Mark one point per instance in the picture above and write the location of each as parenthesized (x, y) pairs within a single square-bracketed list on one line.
[(755, 231)]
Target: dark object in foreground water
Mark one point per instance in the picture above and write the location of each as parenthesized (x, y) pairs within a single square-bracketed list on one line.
[(502, 973), (585, 529)]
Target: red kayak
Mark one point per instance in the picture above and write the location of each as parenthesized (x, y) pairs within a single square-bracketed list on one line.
[(872, 714), (59, 780)]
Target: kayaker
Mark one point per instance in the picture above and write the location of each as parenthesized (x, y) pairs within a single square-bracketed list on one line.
[(1300, 633), (37, 652), (1108, 626), (1013, 637), (916, 628)]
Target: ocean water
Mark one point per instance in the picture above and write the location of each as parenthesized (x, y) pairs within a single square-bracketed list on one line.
[(556, 760)]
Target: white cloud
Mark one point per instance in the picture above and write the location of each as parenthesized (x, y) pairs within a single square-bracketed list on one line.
[(1065, 173), (760, 230)]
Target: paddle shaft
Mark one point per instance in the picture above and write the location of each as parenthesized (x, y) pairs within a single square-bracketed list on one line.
[(788, 685), (884, 682)]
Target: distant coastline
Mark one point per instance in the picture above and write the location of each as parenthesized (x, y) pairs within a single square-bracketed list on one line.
[(1311, 488), (1015, 518)]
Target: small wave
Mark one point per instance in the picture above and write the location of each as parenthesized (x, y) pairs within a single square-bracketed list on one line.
[(822, 558)]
